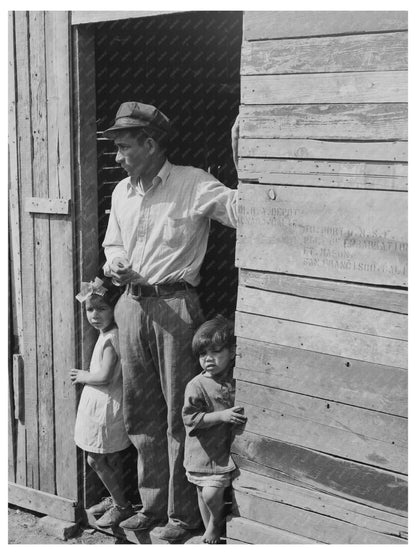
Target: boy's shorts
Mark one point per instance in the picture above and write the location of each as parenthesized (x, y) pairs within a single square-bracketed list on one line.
[(213, 480)]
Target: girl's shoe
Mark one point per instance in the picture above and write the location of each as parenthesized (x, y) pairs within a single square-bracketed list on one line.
[(101, 507), (114, 516)]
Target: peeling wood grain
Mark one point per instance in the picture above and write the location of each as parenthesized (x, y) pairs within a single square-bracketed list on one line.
[(362, 384), (322, 313), (28, 473), (313, 525), (367, 485), (284, 24), (322, 503), (353, 87), (378, 52), (313, 149), (45, 401), (357, 346), (353, 433), (389, 300), (346, 121), (57, 31)]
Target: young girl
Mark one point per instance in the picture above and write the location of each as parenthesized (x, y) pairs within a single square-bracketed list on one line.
[(208, 414), (99, 427)]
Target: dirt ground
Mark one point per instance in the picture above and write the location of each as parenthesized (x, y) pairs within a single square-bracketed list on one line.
[(24, 528)]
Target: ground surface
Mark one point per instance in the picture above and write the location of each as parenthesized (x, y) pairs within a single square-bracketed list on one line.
[(24, 528)]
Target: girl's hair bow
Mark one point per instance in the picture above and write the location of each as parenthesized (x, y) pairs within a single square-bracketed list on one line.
[(89, 288)]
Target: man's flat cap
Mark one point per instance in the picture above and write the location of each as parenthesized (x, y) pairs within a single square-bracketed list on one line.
[(136, 114)]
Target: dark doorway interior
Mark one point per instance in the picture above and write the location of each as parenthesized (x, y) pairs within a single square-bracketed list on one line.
[(188, 65)]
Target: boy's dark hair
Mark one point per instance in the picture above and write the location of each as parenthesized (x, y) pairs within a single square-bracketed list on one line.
[(217, 333)]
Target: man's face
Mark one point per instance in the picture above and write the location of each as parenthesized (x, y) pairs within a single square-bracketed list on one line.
[(132, 154)]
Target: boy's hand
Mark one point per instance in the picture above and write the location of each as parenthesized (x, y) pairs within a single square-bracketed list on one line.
[(234, 416), (78, 376)]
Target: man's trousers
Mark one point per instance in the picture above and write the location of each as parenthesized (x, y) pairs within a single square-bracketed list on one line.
[(157, 362)]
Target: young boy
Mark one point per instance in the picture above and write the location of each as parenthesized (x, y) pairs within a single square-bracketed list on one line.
[(208, 414)]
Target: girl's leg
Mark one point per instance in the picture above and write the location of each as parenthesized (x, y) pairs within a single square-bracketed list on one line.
[(203, 509), (108, 469), (214, 500)]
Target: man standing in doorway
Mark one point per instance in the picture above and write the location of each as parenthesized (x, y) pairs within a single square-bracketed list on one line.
[(155, 243)]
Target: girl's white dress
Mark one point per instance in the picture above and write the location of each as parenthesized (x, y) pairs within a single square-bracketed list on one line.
[(99, 427)]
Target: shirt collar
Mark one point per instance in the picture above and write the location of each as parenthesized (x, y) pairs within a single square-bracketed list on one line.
[(159, 179)]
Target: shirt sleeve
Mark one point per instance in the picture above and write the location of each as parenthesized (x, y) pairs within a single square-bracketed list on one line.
[(194, 408), (215, 200), (113, 242)]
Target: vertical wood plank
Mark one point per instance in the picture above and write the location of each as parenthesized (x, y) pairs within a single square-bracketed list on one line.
[(11, 428), (62, 271), (86, 202), (42, 254), (14, 197), (16, 430), (24, 127), (85, 175)]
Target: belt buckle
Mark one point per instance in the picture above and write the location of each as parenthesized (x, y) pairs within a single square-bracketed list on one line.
[(136, 287)]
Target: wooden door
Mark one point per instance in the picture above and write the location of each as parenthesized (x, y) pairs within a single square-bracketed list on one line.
[(42, 454)]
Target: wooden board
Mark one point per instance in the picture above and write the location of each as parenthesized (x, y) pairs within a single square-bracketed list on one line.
[(371, 386), (80, 18), (284, 24), (319, 502), (47, 205), (390, 300), (352, 235), (17, 431), (335, 169), (354, 87), (62, 260), (14, 194), (11, 427), (353, 433), (45, 401), (373, 122), (308, 468), (41, 502), (85, 213), (350, 345), (339, 181), (358, 175), (378, 52), (322, 313), (313, 525), (250, 532), (31, 471), (321, 150)]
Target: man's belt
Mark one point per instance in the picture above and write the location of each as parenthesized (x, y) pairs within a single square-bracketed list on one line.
[(165, 289)]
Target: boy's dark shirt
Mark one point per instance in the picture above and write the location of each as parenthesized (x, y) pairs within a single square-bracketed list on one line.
[(207, 450)]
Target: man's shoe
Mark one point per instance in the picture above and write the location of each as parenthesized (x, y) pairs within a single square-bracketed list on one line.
[(114, 516), (101, 507), (174, 533), (139, 522)]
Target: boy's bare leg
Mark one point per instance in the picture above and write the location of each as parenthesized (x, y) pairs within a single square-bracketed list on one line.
[(110, 475), (203, 509), (214, 500)]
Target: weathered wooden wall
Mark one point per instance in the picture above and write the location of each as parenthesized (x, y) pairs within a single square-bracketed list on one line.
[(322, 250), (42, 454)]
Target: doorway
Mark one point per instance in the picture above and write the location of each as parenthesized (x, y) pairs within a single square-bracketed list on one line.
[(188, 65)]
